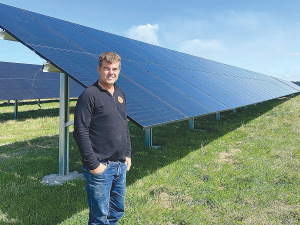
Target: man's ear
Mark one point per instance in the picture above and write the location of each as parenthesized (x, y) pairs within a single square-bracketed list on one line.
[(98, 68)]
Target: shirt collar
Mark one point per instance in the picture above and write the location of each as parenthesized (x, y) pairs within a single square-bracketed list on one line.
[(102, 89)]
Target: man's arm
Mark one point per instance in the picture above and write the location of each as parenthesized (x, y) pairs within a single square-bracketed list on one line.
[(82, 121), (128, 149)]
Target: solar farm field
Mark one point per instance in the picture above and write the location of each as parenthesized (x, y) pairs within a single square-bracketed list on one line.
[(242, 169)]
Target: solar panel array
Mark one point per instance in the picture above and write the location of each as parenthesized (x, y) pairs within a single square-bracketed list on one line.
[(26, 81), (161, 85)]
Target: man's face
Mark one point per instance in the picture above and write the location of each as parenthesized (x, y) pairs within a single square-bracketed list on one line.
[(108, 73)]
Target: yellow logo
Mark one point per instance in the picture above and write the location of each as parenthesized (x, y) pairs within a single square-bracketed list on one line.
[(120, 99)]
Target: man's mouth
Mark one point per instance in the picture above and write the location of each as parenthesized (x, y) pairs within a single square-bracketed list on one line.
[(110, 78)]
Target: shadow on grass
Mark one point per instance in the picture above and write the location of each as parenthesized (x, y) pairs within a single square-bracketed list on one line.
[(32, 114), (24, 200)]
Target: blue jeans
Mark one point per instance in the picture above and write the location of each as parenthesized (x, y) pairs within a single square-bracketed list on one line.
[(106, 193)]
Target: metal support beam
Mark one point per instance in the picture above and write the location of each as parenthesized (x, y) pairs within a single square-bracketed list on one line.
[(245, 107), (6, 36), (64, 114), (148, 137), (192, 123), (217, 116), (48, 67), (16, 110), (234, 111)]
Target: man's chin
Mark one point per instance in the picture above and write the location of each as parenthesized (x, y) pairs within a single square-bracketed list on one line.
[(112, 81)]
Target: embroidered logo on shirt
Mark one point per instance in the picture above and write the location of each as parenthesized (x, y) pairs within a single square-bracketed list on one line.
[(120, 99)]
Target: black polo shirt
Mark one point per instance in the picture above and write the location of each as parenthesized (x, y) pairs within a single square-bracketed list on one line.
[(100, 126)]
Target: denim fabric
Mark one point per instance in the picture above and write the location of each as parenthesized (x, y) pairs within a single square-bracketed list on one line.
[(106, 193)]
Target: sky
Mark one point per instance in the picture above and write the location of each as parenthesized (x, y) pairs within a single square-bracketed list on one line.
[(257, 35)]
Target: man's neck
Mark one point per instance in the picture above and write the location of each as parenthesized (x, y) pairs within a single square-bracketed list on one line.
[(109, 88)]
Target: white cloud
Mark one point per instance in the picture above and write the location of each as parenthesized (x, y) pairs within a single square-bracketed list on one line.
[(146, 33), (197, 46)]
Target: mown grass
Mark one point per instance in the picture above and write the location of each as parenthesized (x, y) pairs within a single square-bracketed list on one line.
[(243, 169)]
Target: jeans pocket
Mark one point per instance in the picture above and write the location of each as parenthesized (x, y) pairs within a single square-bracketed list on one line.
[(101, 169)]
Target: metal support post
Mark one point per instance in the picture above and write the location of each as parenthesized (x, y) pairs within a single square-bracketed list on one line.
[(16, 110), (63, 129), (148, 137), (8, 102), (192, 124), (217, 116), (234, 111), (245, 107)]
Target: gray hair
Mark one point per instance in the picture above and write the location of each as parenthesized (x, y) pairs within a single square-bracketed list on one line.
[(109, 57)]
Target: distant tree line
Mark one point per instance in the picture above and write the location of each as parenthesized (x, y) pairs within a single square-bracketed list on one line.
[(296, 82)]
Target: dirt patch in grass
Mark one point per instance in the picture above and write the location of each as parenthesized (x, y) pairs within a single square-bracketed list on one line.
[(225, 157)]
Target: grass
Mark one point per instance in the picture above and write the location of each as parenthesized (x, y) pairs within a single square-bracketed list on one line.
[(243, 169)]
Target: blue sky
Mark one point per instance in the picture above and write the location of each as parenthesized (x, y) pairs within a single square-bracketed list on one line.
[(257, 35)]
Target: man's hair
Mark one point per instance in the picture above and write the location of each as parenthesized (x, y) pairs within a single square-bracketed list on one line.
[(109, 57)]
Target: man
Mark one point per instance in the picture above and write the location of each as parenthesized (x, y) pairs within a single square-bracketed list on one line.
[(102, 136)]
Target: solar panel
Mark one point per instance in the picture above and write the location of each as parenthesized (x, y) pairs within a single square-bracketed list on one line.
[(26, 81), (161, 85)]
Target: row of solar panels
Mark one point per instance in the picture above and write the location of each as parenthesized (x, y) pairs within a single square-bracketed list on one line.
[(296, 82), (161, 85), (26, 81)]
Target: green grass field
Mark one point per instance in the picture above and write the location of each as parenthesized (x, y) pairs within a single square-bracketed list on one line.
[(243, 169)]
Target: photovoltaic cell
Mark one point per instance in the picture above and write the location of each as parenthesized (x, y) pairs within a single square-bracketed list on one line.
[(186, 87), (161, 85), (162, 90), (141, 103)]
